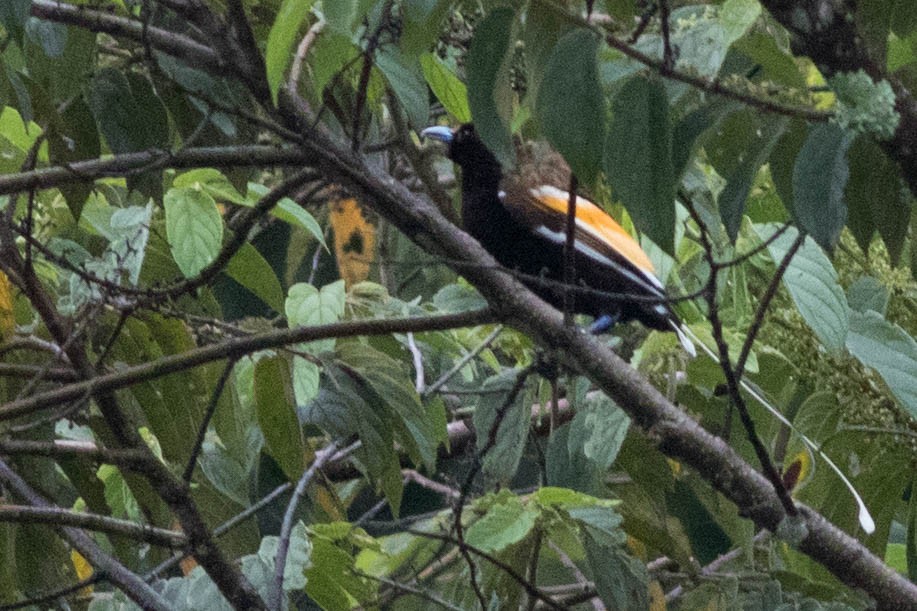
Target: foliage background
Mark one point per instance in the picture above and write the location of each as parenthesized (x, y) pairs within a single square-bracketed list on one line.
[(248, 360)]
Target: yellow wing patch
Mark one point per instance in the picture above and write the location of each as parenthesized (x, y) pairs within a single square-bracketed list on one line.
[(598, 222)]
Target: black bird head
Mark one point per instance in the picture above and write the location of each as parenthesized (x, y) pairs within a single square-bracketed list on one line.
[(465, 147)]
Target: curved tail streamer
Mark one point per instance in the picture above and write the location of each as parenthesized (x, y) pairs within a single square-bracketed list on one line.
[(866, 521)]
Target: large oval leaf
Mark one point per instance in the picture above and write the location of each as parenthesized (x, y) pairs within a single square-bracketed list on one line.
[(638, 158), (812, 283), (194, 229), (819, 177), (489, 94), (888, 349), (280, 41), (277, 415), (570, 106)]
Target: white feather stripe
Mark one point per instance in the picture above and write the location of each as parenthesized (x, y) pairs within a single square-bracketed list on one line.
[(650, 283)]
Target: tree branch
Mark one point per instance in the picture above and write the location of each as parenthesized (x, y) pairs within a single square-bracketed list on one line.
[(119, 165), (117, 573), (57, 516), (238, 347)]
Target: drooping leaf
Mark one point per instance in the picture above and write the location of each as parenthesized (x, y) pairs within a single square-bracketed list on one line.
[(288, 211), (13, 16), (418, 431), (502, 460), (876, 198), (544, 27), (783, 158), (621, 580), (131, 117), (251, 270), (74, 138), (277, 415), (599, 429), (448, 89), (738, 184), (688, 133), (812, 282), (405, 76), (638, 158), (488, 88), (888, 349), (504, 524), (570, 106), (422, 19), (194, 229), (819, 177), (278, 54)]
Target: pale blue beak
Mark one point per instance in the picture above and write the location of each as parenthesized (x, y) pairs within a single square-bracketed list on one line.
[(438, 132)]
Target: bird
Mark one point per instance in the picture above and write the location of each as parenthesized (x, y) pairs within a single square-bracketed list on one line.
[(523, 226)]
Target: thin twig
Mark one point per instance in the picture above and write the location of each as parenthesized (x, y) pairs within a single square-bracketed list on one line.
[(435, 386), (205, 421), (275, 595)]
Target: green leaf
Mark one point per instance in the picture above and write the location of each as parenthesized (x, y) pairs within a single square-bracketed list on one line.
[(813, 285), (570, 105), (489, 95), (13, 16), (783, 158), (129, 114), (876, 198), (305, 380), (503, 525), (819, 177), (63, 76), (418, 432), (732, 198), (867, 293), (283, 35), (638, 158), (277, 416), (888, 349), (307, 306), (448, 89), (544, 26), (132, 118), (340, 14), (598, 429), (73, 138), (406, 78), (621, 580), (333, 582), (422, 21), (687, 135), (194, 229), (736, 16), (501, 462), (252, 271), (289, 212)]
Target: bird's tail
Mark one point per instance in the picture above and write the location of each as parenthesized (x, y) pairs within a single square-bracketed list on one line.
[(685, 335)]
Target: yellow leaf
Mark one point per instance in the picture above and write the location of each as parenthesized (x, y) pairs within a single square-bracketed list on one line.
[(7, 317), (354, 240), (83, 569), (657, 597)]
